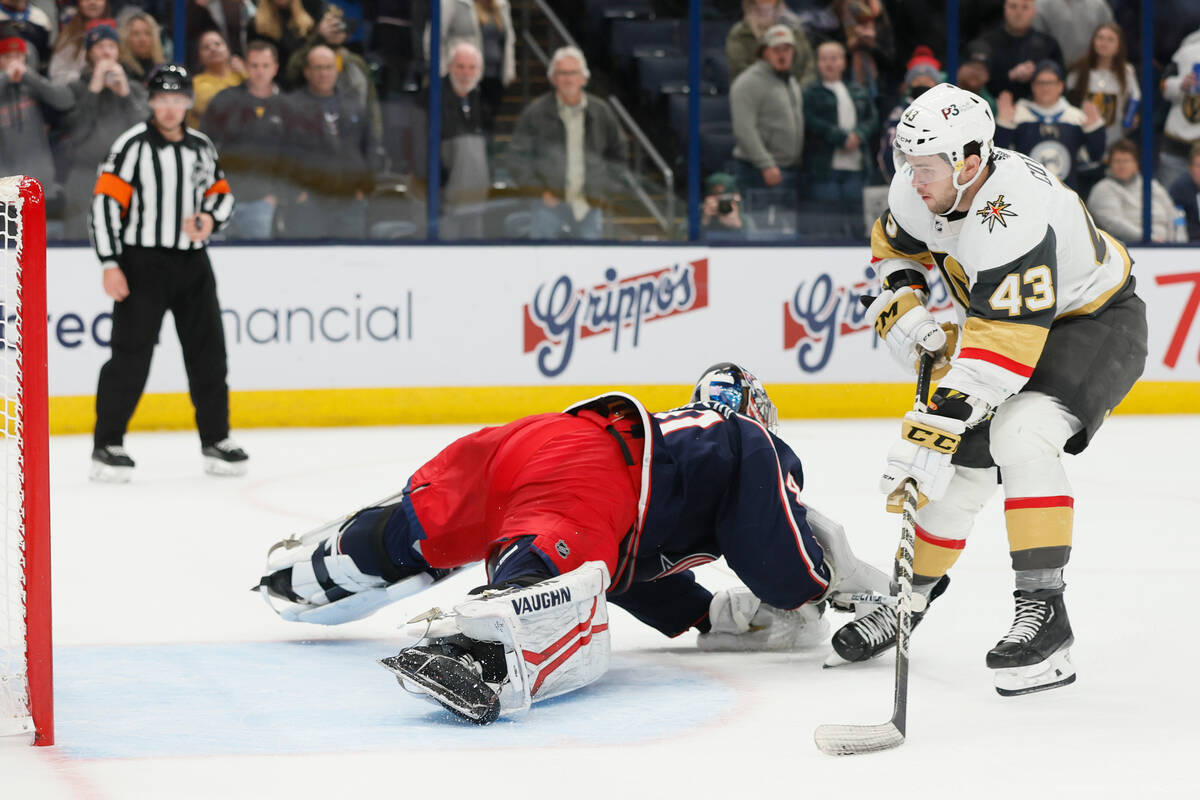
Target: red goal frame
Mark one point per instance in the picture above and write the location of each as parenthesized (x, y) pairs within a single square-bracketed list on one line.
[(35, 452)]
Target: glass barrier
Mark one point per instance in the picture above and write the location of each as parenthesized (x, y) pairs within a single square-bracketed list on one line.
[(611, 120)]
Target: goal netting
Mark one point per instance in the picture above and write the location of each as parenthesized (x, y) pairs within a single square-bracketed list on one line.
[(26, 706)]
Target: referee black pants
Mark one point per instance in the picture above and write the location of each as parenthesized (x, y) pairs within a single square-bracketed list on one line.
[(161, 280)]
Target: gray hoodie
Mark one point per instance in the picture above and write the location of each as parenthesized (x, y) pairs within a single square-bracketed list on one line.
[(24, 143), (768, 117), (1117, 208)]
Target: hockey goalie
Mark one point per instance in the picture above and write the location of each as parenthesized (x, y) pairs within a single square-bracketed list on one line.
[(605, 502)]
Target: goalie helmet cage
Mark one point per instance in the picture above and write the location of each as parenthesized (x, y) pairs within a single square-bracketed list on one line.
[(26, 685)]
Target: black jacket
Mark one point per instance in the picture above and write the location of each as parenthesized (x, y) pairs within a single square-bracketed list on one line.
[(539, 150), (327, 161), (248, 132)]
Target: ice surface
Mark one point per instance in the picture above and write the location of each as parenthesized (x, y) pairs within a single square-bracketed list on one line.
[(173, 680)]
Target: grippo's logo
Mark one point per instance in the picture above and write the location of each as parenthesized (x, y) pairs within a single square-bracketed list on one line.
[(562, 313)]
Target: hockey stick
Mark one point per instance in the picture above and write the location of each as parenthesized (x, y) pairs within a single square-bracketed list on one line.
[(846, 740)]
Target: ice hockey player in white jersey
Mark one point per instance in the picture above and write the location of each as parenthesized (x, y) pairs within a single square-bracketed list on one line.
[(1052, 337)]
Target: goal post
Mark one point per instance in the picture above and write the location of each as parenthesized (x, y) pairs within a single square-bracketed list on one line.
[(26, 660)]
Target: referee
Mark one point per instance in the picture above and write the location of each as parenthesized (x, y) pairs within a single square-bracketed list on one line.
[(159, 196)]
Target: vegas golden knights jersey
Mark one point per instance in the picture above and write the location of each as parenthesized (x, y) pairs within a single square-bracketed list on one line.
[(1025, 255)]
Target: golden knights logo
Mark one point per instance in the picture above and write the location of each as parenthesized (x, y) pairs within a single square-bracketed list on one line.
[(994, 211)]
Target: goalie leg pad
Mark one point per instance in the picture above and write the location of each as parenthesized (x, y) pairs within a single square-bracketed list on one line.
[(554, 636)]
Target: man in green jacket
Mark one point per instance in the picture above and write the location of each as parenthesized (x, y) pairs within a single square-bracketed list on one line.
[(841, 124)]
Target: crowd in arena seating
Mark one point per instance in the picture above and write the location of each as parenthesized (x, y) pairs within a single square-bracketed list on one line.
[(320, 108)]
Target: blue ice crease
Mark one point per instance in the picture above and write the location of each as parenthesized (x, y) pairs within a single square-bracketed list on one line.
[(331, 697)]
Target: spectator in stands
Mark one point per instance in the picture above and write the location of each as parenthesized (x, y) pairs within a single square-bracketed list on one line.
[(141, 46), (1104, 77), (488, 25), (767, 107), (107, 103), (395, 38), (332, 154), (1185, 193), (465, 177), (1181, 88), (1015, 49), (743, 45), (34, 26), (70, 51), (1116, 201), (246, 124), (841, 128), (568, 153), (924, 72), (973, 73), (25, 99), (354, 76), (219, 72), (1050, 129), (721, 213), (870, 46), (226, 17), (283, 23), (1072, 23)]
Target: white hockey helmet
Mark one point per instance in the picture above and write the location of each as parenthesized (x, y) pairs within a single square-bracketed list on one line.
[(735, 387), (945, 121)]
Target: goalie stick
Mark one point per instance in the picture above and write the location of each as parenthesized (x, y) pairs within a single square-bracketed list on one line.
[(845, 740)]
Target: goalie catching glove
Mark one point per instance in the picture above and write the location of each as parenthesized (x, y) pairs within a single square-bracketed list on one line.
[(741, 621)]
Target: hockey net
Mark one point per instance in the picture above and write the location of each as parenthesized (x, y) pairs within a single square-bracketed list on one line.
[(26, 704)]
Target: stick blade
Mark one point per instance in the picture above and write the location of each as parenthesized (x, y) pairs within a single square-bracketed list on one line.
[(849, 740)]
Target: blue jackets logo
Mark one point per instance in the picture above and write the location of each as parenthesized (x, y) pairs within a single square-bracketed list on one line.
[(562, 313)]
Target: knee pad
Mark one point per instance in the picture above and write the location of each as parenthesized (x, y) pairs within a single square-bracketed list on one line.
[(1029, 427)]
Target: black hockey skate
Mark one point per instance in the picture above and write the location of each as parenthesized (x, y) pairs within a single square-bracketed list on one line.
[(1034, 655), (224, 458), (461, 674), (871, 635), (111, 464)]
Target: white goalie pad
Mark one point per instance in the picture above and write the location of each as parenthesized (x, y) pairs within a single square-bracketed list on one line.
[(554, 633), (368, 593)]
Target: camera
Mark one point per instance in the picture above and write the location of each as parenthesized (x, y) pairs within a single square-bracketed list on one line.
[(725, 204)]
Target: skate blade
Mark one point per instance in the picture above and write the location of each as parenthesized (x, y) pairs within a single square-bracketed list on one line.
[(226, 469), (484, 709), (105, 473), (1055, 671), (834, 660)]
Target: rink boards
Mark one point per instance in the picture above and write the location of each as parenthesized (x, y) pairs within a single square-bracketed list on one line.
[(348, 335)]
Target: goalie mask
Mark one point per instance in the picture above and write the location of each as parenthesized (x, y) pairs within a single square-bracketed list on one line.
[(735, 387)]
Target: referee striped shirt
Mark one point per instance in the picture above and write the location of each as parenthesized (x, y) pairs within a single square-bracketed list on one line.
[(148, 186)]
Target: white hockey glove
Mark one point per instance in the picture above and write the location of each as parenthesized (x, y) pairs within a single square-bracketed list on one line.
[(907, 327), (927, 443), (740, 621)]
